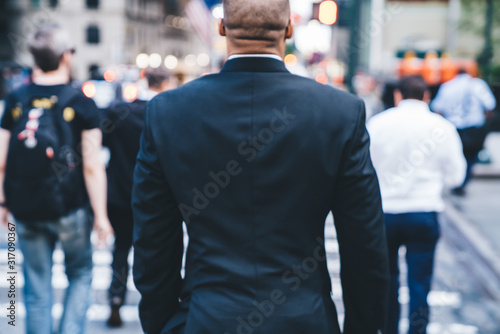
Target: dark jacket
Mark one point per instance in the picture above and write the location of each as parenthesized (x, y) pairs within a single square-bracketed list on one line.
[(253, 159), (122, 127)]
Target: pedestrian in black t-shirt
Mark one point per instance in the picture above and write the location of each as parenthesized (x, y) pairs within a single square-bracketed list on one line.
[(49, 170), (122, 127)]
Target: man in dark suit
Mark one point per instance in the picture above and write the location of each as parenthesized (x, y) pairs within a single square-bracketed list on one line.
[(253, 159)]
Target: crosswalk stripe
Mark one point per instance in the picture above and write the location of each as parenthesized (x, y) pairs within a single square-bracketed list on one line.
[(96, 312)]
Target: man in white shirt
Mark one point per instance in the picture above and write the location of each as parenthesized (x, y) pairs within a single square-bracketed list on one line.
[(465, 101), (416, 154)]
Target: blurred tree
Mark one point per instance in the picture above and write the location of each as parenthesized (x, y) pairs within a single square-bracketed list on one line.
[(486, 56), (482, 19)]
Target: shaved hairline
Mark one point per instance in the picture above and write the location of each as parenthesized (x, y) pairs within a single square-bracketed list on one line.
[(256, 19)]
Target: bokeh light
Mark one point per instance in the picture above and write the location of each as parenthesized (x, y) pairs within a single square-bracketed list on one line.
[(328, 12), (88, 89), (154, 60), (109, 75), (291, 59), (171, 62), (130, 92), (142, 60), (203, 59), (322, 78), (190, 60)]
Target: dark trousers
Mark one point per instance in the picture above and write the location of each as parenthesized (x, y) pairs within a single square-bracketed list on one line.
[(419, 232), (471, 161), (473, 142), (122, 221)]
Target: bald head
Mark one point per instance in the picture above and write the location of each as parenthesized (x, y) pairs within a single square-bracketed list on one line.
[(264, 20)]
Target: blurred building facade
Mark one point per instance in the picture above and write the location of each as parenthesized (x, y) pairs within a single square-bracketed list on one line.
[(9, 14), (423, 25), (109, 32)]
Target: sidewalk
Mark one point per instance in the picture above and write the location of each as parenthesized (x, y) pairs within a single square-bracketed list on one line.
[(476, 220), (471, 226), (477, 214), (492, 144)]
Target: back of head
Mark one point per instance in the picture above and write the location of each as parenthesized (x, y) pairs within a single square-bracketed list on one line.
[(261, 20), (156, 77), (47, 45), (413, 87)]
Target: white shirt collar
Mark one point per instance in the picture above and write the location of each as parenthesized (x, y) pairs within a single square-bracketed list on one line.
[(414, 104), (146, 95), (262, 55)]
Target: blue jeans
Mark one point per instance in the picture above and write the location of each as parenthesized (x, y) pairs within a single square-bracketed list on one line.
[(37, 241), (419, 232)]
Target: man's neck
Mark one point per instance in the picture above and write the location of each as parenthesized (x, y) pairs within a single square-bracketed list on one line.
[(238, 47), (57, 77)]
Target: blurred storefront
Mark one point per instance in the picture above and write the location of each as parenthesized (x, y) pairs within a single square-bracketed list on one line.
[(112, 32)]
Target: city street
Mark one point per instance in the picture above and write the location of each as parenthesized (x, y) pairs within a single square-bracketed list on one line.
[(184, 108), (463, 301)]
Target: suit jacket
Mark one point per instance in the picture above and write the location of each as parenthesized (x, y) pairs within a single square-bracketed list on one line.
[(253, 159)]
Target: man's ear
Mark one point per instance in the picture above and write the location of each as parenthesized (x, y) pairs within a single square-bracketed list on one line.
[(398, 97), (66, 58), (427, 97), (222, 28), (289, 30)]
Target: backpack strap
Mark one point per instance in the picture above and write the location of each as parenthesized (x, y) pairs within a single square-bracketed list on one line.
[(62, 127)]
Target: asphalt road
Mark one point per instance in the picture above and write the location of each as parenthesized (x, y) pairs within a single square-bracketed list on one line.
[(460, 302)]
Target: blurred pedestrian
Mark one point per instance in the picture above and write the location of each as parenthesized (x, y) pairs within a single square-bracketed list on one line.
[(466, 101), (49, 167), (366, 89), (416, 153), (122, 126), (253, 159)]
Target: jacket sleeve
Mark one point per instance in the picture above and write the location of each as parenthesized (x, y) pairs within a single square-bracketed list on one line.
[(359, 221), (158, 237), (453, 163)]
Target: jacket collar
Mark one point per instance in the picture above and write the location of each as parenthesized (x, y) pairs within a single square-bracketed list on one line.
[(254, 64)]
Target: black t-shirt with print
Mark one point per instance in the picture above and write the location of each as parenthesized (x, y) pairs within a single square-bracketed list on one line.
[(85, 117)]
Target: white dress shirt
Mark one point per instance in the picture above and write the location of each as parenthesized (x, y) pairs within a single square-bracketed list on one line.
[(464, 100), (416, 154)]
